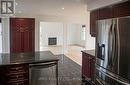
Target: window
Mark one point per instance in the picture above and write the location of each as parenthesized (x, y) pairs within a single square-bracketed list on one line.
[(83, 32)]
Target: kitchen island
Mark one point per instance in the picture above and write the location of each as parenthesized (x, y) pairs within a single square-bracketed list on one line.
[(14, 68)]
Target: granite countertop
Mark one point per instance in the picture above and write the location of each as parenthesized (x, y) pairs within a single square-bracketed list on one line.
[(90, 52), (27, 58)]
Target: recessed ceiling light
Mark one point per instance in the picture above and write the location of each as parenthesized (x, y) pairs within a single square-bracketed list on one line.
[(63, 8), (16, 3), (19, 11)]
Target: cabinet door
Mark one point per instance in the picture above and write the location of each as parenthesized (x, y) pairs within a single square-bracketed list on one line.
[(86, 70), (105, 13), (14, 74), (88, 67), (92, 64), (122, 9), (22, 34), (93, 18)]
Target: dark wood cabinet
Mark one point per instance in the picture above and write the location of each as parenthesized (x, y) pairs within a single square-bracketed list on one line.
[(22, 35), (105, 13), (113, 11), (93, 18), (14, 74), (122, 9), (88, 67)]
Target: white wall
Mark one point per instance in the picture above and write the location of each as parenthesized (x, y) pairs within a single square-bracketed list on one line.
[(84, 19), (51, 29), (0, 38), (74, 34), (5, 35), (71, 34)]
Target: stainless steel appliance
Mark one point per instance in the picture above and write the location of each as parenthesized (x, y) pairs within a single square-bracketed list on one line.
[(113, 51)]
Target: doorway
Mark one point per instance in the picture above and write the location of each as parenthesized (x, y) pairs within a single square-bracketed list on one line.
[(76, 41), (51, 37)]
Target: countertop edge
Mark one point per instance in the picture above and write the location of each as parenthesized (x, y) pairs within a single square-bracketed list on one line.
[(90, 52)]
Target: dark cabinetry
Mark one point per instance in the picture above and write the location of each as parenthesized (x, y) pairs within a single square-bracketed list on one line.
[(93, 18), (105, 13), (88, 66), (14, 75), (114, 11), (122, 9), (22, 35)]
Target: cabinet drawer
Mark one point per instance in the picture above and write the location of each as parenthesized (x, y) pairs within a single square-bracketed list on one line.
[(25, 82), (17, 77), (22, 79), (15, 74)]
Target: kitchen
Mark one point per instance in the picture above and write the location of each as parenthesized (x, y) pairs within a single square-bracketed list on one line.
[(102, 66)]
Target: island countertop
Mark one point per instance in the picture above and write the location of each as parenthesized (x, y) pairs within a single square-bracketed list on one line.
[(27, 58)]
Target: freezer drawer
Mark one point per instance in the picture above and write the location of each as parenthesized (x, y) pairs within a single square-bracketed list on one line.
[(104, 77)]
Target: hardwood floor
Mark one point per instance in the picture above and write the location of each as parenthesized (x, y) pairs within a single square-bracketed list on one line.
[(69, 73)]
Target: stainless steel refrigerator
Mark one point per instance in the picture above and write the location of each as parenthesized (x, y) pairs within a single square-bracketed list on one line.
[(113, 51)]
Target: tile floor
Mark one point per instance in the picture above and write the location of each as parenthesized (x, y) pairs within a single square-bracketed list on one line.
[(74, 52), (69, 73)]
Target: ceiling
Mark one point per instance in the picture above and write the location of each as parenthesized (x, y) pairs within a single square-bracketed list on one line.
[(51, 7), (60, 7), (94, 4)]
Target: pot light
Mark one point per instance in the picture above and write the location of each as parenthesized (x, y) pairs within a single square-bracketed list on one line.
[(19, 11), (16, 3), (63, 8)]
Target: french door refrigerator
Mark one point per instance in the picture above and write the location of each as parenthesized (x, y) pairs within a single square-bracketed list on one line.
[(113, 51)]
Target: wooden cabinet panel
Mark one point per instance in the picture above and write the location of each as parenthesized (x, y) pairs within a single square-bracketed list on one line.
[(22, 34), (122, 9), (118, 10), (14, 75), (93, 18), (105, 13), (88, 67)]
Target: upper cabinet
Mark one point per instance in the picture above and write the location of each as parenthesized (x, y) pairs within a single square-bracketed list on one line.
[(122, 9), (93, 18), (105, 13), (118, 10)]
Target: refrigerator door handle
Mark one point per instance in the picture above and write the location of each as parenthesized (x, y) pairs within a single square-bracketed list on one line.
[(110, 43), (116, 43), (113, 45)]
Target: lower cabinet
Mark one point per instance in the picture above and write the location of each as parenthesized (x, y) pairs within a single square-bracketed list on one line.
[(14, 75), (88, 67)]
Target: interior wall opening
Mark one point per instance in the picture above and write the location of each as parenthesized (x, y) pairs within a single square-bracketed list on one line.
[(51, 37), (76, 38)]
